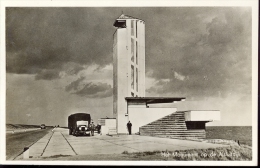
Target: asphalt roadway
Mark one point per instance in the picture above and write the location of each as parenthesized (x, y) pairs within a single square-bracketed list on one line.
[(59, 143), (15, 142)]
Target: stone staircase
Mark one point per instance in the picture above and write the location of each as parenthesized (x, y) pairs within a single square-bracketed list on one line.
[(172, 126)]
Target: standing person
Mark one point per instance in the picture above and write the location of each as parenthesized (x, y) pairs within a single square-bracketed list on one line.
[(92, 128), (129, 127)]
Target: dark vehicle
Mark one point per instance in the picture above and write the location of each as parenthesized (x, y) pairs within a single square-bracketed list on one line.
[(78, 124), (43, 126), (98, 128)]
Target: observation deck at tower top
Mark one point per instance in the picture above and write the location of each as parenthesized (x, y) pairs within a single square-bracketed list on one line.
[(120, 21)]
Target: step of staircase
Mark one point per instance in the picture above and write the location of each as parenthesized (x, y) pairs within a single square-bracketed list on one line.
[(200, 135), (163, 123), (174, 133), (177, 137)]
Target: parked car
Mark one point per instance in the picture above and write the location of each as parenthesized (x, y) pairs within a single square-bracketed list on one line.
[(43, 126)]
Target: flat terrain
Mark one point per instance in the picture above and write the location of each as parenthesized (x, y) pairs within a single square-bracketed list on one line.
[(16, 142), (58, 144)]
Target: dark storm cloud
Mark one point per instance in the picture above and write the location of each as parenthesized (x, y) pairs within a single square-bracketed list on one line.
[(205, 51), (47, 38), (72, 68), (74, 85), (214, 56), (90, 89)]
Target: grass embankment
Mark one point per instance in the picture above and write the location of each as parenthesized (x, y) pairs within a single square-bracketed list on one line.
[(212, 154), (20, 126)]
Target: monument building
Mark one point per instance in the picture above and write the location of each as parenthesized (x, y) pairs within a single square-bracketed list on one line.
[(129, 101)]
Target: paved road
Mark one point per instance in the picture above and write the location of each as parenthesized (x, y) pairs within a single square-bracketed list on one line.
[(16, 142), (59, 142)]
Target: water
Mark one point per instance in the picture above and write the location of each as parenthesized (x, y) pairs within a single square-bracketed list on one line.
[(241, 133)]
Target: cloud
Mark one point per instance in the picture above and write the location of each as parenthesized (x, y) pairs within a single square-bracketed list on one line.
[(214, 53), (89, 89), (95, 90), (74, 85), (179, 76), (212, 43), (56, 38), (96, 74), (28, 115), (71, 68)]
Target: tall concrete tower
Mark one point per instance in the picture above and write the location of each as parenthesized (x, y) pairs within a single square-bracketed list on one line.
[(129, 66)]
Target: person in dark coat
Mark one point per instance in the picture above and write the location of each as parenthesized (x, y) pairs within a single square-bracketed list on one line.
[(129, 127), (92, 128)]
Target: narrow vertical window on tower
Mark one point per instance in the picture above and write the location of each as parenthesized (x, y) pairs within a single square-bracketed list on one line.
[(132, 77), (136, 54), (136, 74), (136, 29), (132, 28), (132, 49)]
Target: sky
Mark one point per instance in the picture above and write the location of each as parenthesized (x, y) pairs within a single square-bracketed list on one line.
[(59, 61)]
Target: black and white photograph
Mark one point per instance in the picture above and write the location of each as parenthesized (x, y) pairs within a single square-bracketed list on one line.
[(118, 84)]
